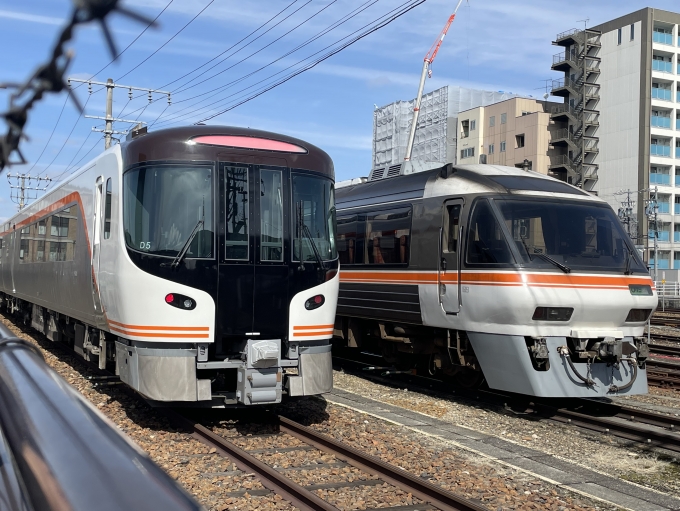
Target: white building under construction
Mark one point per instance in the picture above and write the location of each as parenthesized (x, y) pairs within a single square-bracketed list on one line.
[(436, 136)]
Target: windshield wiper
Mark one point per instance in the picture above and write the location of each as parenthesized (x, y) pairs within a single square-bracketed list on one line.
[(185, 248), (305, 229), (629, 256), (546, 257)]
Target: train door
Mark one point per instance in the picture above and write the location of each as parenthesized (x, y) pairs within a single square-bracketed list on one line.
[(96, 243), (12, 256), (451, 234), (270, 310)]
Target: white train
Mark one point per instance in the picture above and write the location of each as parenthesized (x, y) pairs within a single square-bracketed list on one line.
[(482, 271), (201, 261)]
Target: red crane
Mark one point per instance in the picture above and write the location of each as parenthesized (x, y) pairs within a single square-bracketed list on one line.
[(429, 59)]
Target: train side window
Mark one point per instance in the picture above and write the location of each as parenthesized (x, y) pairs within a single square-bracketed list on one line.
[(347, 239), (388, 236), (107, 211), (452, 228), (237, 212), (486, 242), (271, 215)]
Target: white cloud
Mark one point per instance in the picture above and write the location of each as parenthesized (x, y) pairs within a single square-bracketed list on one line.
[(31, 18)]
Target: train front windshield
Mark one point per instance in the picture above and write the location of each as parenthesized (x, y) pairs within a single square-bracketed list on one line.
[(162, 207), (313, 218), (566, 235)]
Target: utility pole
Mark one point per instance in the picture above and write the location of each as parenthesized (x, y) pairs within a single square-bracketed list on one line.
[(23, 190), (626, 212), (652, 212), (109, 119)]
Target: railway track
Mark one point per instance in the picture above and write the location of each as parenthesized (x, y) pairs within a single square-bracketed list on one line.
[(303, 497), (643, 427)]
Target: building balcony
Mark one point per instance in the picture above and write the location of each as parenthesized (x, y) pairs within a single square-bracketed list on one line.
[(659, 121), (662, 38), (662, 236), (676, 264), (677, 152), (660, 150), (662, 264), (565, 87), (676, 211), (676, 238), (662, 66), (677, 124), (677, 180), (659, 179), (663, 94), (564, 61), (664, 208)]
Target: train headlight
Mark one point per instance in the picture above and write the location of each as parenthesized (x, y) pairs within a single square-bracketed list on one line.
[(315, 302), (553, 313), (180, 301), (638, 315)]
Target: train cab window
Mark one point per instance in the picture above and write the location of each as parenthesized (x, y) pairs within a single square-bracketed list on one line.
[(313, 215), (271, 215), (388, 236), (486, 241), (452, 228), (167, 208), (237, 212), (347, 240), (107, 211)]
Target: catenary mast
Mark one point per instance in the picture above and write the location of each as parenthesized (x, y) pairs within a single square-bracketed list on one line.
[(429, 59)]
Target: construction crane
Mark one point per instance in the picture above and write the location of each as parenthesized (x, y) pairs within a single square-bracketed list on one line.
[(429, 59)]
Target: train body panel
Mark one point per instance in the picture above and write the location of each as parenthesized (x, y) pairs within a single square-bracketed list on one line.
[(146, 257), (460, 264)]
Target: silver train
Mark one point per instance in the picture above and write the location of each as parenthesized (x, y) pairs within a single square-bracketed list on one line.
[(488, 272), (198, 261)]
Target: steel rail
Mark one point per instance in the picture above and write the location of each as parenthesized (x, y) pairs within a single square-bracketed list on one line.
[(662, 349), (420, 488), (576, 413), (271, 479)]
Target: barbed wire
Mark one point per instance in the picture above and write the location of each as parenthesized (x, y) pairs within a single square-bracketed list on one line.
[(50, 77)]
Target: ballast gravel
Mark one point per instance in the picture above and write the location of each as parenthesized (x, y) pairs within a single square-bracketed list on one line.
[(219, 485)]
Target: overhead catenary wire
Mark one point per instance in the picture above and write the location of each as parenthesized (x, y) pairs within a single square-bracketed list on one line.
[(68, 167), (323, 32), (363, 31), (54, 129)]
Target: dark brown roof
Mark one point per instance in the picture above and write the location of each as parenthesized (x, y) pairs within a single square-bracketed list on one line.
[(171, 144)]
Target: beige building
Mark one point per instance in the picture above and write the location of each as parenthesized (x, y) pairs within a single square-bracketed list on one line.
[(507, 133)]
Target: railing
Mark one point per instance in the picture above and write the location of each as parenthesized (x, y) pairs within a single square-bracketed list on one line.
[(677, 152), (668, 289), (662, 264), (659, 93), (566, 33), (67, 455), (558, 109), (662, 235), (661, 121), (659, 179), (676, 236), (662, 65), (662, 38), (564, 82), (664, 207), (677, 124), (561, 134), (676, 211), (660, 150), (677, 94), (591, 145), (677, 180), (560, 160)]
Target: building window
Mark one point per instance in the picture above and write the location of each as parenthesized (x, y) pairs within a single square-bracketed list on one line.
[(473, 125), (632, 31), (519, 141), (492, 121), (491, 149), (464, 128), (503, 146), (42, 227), (620, 30), (504, 118), (467, 153)]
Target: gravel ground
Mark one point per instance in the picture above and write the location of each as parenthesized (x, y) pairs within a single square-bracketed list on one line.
[(211, 478), (602, 453)]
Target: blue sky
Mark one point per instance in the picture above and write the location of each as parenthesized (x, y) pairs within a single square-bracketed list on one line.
[(493, 44)]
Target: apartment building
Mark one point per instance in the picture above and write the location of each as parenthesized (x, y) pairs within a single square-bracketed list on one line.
[(516, 132), (622, 86)]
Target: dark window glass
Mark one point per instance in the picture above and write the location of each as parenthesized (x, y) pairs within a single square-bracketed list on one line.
[(237, 212), (582, 236), (42, 227), (486, 242), (388, 236), (23, 250), (452, 228), (40, 251), (163, 205), (107, 211), (58, 251), (271, 215), (347, 240), (315, 198)]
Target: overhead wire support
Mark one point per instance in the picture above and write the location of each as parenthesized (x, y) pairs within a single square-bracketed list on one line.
[(23, 187), (110, 119), (427, 71)]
